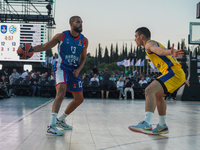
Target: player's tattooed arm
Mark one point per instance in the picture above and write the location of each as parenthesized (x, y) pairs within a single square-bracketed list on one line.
[(152, 46), (48, 45), (82, 59)]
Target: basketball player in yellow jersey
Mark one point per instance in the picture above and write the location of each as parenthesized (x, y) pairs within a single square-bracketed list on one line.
[(171, 79)]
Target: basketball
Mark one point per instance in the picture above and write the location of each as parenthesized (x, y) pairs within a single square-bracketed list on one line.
[(25, 51)]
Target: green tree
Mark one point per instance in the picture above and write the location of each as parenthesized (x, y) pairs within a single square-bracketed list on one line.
[(89, 64), (106, 56), (168, 45), (178, 47), (140, 53), (96, 58), (111, 53), (99, 54), (131, 52), (125, 51), (137, 52), (116, 55)]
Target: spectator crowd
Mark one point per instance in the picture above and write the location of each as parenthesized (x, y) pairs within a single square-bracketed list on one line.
[(122, 82), (103, 83), (26, 83)]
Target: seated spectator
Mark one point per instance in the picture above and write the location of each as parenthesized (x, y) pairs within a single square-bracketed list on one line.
[(14, 76), (84, 79), (29, 77), (120, 86), (5, 73), (135, 72), (43, 78), (128, 87), (142, 81), (24, 74), (122, 74), (150, 79), (34, 86), (94, 78), (100, 77), (46, 74), (91, 74), (147, 78), (32, 73), (113, 78), (3, 87), (51, 77), (38, 74)]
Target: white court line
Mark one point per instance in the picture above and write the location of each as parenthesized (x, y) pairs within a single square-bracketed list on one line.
[(25, 115)]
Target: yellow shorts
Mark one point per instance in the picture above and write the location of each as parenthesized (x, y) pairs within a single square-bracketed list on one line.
[(172, 80)]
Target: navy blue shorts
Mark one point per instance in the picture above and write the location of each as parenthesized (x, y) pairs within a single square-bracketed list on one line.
[(65, 75)]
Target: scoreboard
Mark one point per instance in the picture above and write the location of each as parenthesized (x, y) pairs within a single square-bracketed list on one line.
[(12, 35)]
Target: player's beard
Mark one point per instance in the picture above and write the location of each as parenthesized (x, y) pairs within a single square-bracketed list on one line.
[(78, 29)]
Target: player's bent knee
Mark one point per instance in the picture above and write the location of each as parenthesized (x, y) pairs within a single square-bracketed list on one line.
[(61, 94), (147, 91), (79, 101)]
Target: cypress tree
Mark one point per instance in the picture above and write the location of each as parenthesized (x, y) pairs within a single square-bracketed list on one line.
[(125, 51), (96, 58), (106, 56), (168, 45), (137, 53), (99, 54), (111, 53), (116, 53), (178, 47)]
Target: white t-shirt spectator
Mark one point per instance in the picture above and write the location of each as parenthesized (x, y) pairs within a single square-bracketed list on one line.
[(141, 82), (120, 84), (94, 79), (23, 75)]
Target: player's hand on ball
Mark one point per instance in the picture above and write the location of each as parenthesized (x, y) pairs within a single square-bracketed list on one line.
[(25, 51), (76, 72)]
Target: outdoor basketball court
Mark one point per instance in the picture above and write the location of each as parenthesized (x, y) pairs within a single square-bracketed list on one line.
[(97, 124)]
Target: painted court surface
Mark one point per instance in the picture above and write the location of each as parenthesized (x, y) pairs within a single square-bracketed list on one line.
[(97, 124)]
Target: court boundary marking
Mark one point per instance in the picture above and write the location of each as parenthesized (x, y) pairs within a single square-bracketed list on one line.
[(3, 128)]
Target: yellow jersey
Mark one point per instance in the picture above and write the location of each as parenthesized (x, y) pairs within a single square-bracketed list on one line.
[(162, 63)]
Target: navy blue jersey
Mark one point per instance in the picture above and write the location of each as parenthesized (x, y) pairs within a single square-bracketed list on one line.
[(69, 50)]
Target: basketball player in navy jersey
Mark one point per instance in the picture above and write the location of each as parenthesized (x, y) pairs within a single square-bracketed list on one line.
[(72, 49)]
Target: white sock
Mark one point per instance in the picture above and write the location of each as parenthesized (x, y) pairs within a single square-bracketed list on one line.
[(63, 116), (53, 119), (162, 120), (148, 117)]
